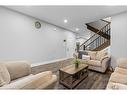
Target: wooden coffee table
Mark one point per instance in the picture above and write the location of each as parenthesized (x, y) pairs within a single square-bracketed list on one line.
[(70, 76)]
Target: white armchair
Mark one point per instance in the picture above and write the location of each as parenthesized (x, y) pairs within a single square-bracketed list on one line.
[(99, 60)]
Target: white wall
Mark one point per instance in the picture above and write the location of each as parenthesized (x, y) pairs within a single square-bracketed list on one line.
[(118, 37), (81, 40), (19, 39)]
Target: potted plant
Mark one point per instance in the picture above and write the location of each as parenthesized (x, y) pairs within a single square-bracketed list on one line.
[(76, 60)]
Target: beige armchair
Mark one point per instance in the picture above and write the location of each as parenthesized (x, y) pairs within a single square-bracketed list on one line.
[(118, 79), (99, 60), (17, 75)]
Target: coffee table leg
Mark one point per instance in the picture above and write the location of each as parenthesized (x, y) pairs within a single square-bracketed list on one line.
[(60, 76), (71, 82)]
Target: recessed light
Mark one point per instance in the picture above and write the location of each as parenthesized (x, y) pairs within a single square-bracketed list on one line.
[(65, 20), (54, 29), (77, 29)]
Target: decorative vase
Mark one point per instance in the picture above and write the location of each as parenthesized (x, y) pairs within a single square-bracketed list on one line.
[(76, 65)]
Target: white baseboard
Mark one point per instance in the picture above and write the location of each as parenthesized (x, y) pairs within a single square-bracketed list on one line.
[(48, 62)]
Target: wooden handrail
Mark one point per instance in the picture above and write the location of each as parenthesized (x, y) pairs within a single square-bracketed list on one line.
[(94, 34), (93, 41), (105, 21), (87, 40)]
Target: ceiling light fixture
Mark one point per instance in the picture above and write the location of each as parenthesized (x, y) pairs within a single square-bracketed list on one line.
[(65, 20), (54, 29), (77, 29)]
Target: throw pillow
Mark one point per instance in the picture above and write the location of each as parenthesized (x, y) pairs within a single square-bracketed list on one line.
[(4, 75), (92, 55)]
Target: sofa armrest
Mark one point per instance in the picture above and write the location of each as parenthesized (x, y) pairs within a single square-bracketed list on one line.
[(120, 86), (122, 63), (105, 58), (39, 80), (116, 86), (50, 84)]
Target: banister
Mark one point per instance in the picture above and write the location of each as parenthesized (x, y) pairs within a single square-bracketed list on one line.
[(105, 21), (87, 40), (93, 40), (94, 34)]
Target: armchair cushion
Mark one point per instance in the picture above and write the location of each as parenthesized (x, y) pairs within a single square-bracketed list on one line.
[(94, 62), (4, 75)]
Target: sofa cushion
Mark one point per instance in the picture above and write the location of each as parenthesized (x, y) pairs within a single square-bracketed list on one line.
[(1, 81), (117, 86), (100, 55), (94, 62), (92, 54), (121, 70), (39, 79), (4, 75), (22, 78), (30, 82), (118, 78), (18, 83), (18, 69)]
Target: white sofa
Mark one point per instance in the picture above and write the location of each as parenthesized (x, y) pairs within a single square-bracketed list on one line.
[(98, 61), (17, 75), (118, 79)]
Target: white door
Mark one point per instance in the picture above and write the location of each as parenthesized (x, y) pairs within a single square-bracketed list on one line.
[(70, 45)]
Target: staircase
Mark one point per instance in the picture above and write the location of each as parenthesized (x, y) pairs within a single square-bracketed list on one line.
[(101, 38)]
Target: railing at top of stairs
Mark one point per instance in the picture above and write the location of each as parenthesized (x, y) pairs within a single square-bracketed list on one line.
[(96, 40)]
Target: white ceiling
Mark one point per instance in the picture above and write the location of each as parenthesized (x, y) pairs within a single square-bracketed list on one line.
[(77, 16)]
